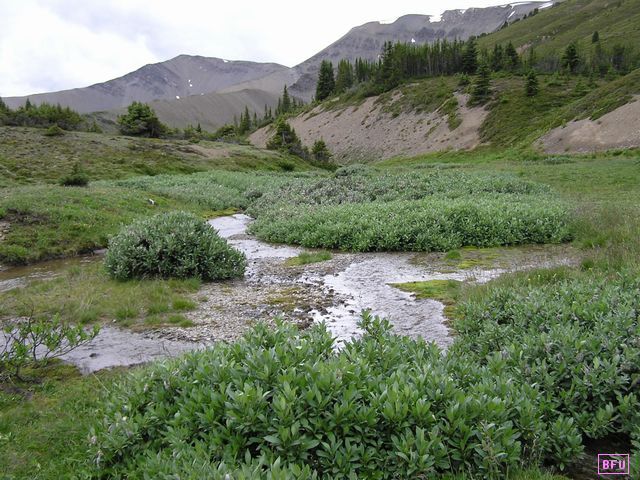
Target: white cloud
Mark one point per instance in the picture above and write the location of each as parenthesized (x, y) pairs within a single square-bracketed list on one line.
[(49, 45)]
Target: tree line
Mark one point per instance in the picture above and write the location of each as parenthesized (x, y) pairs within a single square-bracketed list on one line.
[(43, 115), (399, 62)]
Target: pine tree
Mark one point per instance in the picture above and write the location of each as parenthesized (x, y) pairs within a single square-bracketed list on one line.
[(571, 59), (285, 139), (344, 77), (481, 85), (531, 84), (245, 122), (286, 101), (3, 107), (199, 128), (511, 57), (470, 57), (497, 58), (326, 83), (389, 74), (595, 38), (320, 151), (140, 120)]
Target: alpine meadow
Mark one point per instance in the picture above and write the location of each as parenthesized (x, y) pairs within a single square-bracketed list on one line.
[(415, 255)]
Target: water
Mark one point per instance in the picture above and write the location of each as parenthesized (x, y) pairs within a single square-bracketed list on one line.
[(15, 277), (353, 282)]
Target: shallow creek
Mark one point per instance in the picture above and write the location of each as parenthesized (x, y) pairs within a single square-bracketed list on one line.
[(334, 292)]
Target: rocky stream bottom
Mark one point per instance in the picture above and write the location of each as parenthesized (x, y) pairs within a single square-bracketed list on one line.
[(334, 291)]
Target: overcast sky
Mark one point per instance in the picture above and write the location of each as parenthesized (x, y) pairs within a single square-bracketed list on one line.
[(48, 45)]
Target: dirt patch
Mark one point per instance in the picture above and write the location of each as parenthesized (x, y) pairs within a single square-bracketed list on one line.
[(365, 132), (617, 129)]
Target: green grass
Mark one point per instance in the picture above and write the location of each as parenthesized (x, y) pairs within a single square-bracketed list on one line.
[(45, 424), (553, 29), (86, 294), (306, 258), (445, 291), (28, 157), (48, 221)]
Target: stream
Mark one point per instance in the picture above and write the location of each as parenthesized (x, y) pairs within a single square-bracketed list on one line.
[(334, 292)]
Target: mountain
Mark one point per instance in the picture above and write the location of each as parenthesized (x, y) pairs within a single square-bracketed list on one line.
[(366, 41), (211, 91), (210, 110), (181, 77)]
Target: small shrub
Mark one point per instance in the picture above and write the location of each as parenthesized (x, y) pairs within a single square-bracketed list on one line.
[(77, 178), (32, 340), (176, 245), (54, 131)]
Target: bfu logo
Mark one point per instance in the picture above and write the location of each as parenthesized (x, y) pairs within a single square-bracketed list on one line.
[(613, 464)]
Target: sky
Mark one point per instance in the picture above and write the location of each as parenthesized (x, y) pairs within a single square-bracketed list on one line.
[(49, 45)]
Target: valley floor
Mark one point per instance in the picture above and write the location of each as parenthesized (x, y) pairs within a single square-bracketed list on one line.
[(46, 425)]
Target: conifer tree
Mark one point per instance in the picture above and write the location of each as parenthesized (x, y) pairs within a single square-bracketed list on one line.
[(286, 101), (326, 82), (344, 77), (140, 120), (285, 139), (481, 85), (320, 151), (595, 38), (571, 59), (497, 58), (512, 58), (470, 57), (531, 84), (245, 122)]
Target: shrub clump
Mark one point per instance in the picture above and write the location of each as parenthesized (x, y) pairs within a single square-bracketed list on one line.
[(285, 404), (172, 245)]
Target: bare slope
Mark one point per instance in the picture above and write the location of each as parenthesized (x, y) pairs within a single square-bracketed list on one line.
[(179, 77), (617, 129), (375, 131), (211, 110)]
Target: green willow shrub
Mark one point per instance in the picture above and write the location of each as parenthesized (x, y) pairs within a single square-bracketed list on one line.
[(285, 401), (361, 209), (434, 224), (176, 245), (578, 338)]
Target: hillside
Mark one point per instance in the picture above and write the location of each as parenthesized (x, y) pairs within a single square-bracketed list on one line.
[(422, 117), (573, 20), (431, 115), (366, 41), (211, 110), (179, 77)]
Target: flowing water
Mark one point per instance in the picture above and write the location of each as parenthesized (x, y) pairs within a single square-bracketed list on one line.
[(335, 292)]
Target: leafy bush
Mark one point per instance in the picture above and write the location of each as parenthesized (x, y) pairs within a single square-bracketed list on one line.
[(576, 338), (362, 209), (172, 245), (437, 224), (285, 404), (216, 190)]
